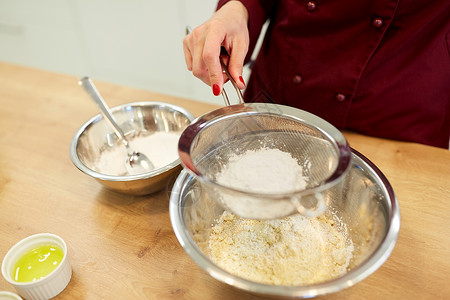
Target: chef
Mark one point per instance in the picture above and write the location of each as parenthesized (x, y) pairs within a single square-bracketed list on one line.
[(377, 67)]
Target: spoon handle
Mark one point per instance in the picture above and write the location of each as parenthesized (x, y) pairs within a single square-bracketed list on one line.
[(90, 88)]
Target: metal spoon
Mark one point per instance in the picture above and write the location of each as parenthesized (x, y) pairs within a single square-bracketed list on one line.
[(136, 162)]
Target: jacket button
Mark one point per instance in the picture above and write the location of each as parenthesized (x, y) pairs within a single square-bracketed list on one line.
[(311, 5), (377, 22), (297, 79), (340, 97)]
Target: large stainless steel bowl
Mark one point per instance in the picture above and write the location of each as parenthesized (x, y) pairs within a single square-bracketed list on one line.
[(96, 135), (365, 201)]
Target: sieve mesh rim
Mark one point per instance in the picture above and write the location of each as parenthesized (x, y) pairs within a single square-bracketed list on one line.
[(191, 133)]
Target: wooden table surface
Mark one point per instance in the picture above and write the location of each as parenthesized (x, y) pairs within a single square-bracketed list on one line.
[(123, 247)]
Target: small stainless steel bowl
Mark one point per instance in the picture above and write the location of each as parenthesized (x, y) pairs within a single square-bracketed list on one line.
[(364, 201), (96, 135)]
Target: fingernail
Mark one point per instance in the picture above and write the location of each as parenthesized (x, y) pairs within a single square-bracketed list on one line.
[(216, 89), (242, 80)]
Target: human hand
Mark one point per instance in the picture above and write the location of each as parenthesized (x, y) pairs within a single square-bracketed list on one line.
[(226, 28)]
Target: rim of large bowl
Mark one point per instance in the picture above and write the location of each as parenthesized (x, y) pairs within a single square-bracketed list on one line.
[(366, 268), (333, 134), (82, 167)]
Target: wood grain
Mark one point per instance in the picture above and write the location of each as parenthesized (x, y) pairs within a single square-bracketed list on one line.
[(123, 247)]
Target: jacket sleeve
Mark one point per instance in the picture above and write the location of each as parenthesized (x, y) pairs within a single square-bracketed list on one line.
[(258, 12)]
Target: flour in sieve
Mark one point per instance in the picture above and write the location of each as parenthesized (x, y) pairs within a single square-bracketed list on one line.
[(160, 147), (265, 171)]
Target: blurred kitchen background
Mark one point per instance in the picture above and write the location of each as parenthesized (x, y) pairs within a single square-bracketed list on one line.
[(137, 43)]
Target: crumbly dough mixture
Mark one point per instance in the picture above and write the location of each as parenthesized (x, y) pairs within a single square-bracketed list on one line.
[(291, 251)]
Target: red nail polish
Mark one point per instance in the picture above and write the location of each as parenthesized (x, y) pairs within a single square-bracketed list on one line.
[(242, 80), (216, 89)]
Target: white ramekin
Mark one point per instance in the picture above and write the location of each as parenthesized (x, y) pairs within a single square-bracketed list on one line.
[(44, 288), (9, 296)]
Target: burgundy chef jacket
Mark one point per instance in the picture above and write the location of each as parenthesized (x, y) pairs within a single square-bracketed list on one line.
[(378, 67)]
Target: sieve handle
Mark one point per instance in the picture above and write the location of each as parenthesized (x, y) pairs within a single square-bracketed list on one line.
[(238, 91)]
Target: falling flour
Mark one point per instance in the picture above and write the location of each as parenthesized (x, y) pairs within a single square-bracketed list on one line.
[(160, 147), (291, 251)]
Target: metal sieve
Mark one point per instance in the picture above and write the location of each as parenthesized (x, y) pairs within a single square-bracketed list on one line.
[(207, 144)]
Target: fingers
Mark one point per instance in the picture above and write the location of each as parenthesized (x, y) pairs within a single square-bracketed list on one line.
[(236, 63), (211, 58), (187, 54), (228, 28), (193, 49), (202, 56)]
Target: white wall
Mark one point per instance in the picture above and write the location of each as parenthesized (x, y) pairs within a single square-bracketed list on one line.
[(131, 42)]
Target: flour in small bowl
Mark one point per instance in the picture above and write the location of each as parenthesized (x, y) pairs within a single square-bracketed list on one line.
[(161, 148)]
